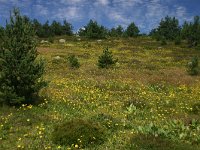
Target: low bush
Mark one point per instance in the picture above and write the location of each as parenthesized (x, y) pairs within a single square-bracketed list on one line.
[(106, 59), (193, 66), (73, 61), (78, 132)]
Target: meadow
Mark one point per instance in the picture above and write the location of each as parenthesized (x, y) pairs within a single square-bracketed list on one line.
[(146, 101)]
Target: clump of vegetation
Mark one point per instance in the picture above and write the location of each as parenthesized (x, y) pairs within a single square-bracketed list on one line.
[(174, 130), (139, 104), (163, 41), (177, 40), (156, 143), (107, 121), (168, 29), (193, 66), (196, 108), (79, 132), (20, 73), (191, 32), (106, 59), (73, 61), (132, 30), (93, 30)]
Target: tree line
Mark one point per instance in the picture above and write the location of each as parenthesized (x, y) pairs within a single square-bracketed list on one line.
[(168, 29)]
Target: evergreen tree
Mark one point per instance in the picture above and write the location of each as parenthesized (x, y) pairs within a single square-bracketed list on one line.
[(106, 59), (93, 30), (116, 32), (168, 29), (191, 32), (38, 28), (56, 28), (1, 33), (20, 72), (46, 30), (67, 28), (132, 30)]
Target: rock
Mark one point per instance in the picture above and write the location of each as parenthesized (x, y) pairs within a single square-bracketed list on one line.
[(79, 39), (44, 42), (57, 58), (99, 41), (62, 41), (159, 47)]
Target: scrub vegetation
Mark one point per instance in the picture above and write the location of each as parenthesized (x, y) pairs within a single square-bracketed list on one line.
[(149, 98)]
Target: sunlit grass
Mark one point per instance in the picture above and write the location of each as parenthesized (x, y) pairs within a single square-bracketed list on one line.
[(148, 86)]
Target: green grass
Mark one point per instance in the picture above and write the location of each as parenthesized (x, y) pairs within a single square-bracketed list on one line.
[(146, 101)]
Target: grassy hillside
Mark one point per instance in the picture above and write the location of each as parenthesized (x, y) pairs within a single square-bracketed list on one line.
[(147, 101)]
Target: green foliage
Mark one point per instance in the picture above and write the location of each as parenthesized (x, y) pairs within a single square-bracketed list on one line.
[(196, 108), (73, 61), (149, 142), (132, 30), (177, 41), (107, 121), (1, 33), (20, 72), (193, 66), (139, 104), (51, 39), (106, 59), (191, 32), (93, 30), (116, 32), (47, 30), (81, 132), (168, 29), (175, 130), (163, 41)]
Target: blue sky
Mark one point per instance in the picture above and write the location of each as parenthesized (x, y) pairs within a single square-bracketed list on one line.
[(145, 13)]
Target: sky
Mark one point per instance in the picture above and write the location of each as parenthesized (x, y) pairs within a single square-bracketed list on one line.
[(146, 14)]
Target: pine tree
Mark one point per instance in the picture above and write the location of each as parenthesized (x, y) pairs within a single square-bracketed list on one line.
[(93, 30), (132, 30), (106, 59), (20, 70), (191, 32)]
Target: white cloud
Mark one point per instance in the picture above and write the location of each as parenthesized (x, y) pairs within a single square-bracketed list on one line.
[(40, 10), (103, 2), (68, 13)]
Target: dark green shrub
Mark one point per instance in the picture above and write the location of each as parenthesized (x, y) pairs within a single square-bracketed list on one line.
[(93, 30), (51, 39), (163, 41), (106, 59), (81, 132), (196, 108), (177, 40), (132, 30), (193, 66), (20, 70), (73, 61)]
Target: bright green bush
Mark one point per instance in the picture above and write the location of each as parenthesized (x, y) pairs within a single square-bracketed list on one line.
[(73, 61), (78, 132), (106, 59), (20, 70)]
